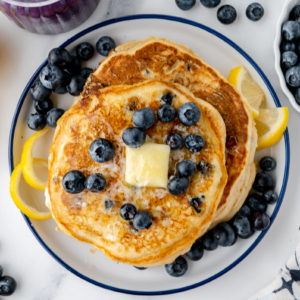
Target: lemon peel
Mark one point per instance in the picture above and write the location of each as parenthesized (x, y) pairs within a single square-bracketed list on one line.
[(14, 189), (250, 90), (27, 162), (271, 124)]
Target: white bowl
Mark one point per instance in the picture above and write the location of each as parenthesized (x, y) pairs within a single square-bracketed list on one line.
[(288, 6)]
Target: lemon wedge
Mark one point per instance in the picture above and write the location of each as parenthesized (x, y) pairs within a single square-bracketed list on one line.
[(27, 210), (249, 89), (271, 124), (27, 162)]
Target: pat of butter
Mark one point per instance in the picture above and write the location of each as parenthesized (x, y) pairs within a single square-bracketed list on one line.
[(147, 165)]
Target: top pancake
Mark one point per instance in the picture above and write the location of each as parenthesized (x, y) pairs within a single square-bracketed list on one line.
[(176, 225), (161, 59)]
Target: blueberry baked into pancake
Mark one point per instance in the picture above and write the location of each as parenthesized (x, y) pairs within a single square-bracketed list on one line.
[(137, 170), (161, 59)]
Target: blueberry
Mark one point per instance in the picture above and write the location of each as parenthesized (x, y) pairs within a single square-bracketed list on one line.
[(186, 168), (62, 89), (143, 118), (291, 31), (203, 167), (85, 51), (189, 114), (256, 203), (235, 239), (297, 96), (52, 77), (76, 85), (108, 204), (260, 221), (104, 45), (208, 241), (7, 286), (95, 183), (142, 220), (270, 196), (287, 46), (242, 227), (263, 182), (178, 267), (42, 107), (59, 57), (210, 3), (231, 142), (166, 113), (177, 185), (267, 164), (39, 92), (254, 12), (297, 48), (134, 137), (195, 202), (127, 211), (196, 252), (226, 14), (73, 182), (74, 66), (194, 142), (292, 76), (101, 150), (289, 59), (295, 13), (224, 235), (85, 72), (140, 268), (53, 115), (185, 4), (36, 122), (167, 98), (244, 211), (175, 141)]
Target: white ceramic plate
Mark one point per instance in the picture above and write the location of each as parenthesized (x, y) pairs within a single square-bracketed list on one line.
[(219, 52), (288, 6)]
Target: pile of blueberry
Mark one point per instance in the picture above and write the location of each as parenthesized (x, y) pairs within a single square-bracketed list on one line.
[(185, 169), (290, 52), (7, 284), (101, 151), (252, 216), (62, 75), (226, 14), (140, 220), (74, 182), (188, 115)]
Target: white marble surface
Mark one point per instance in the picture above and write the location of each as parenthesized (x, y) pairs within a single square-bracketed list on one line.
[(38, 275)]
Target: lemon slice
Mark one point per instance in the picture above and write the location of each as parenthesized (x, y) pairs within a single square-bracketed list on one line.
[(249, 89), (27, 162), (271, 124), (27, 210)]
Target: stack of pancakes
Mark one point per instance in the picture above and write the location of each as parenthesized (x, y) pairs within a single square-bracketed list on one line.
[(138, 74)]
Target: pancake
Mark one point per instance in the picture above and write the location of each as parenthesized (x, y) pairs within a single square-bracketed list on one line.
[(243, 193), (106, 113), (161, 59)]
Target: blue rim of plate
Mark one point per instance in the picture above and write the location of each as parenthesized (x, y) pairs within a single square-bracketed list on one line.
[(273, 94)]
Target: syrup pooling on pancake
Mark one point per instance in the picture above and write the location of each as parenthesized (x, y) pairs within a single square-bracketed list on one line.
[(95, 217)]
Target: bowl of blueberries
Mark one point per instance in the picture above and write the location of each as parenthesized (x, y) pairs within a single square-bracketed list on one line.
[(287, 51)]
